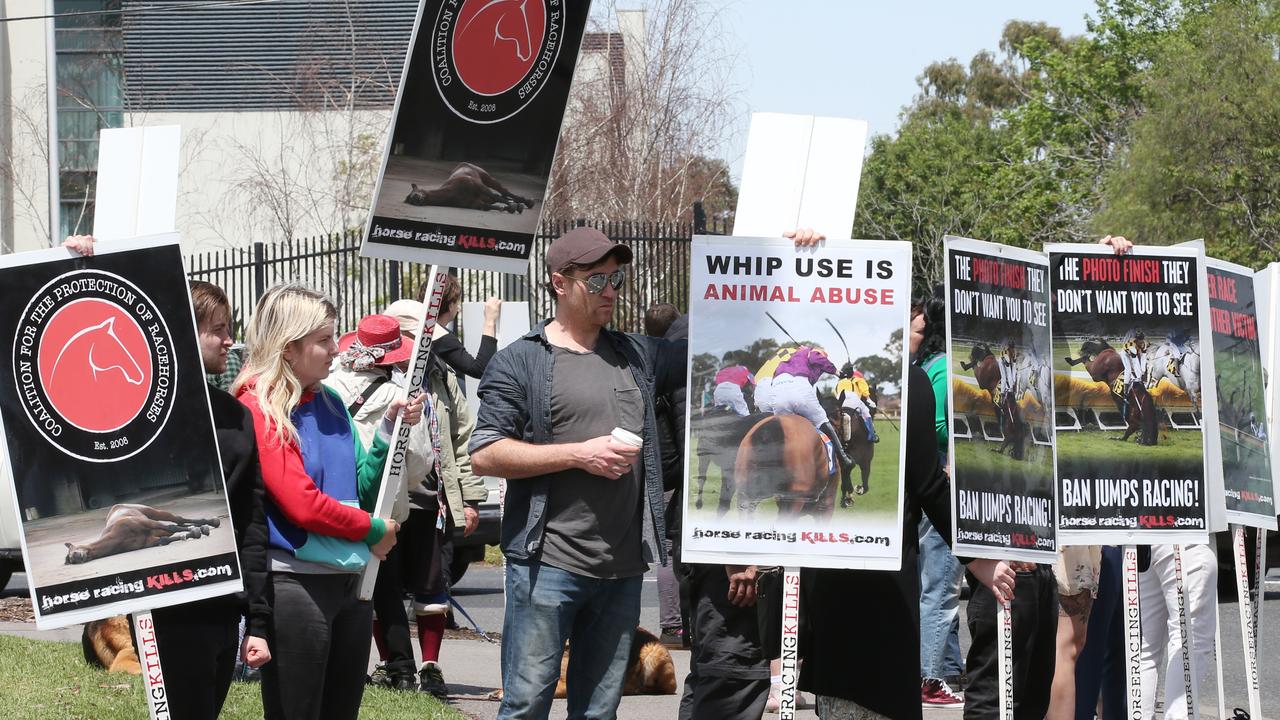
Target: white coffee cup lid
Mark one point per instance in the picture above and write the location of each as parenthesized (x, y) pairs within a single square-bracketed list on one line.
[(627, 437)]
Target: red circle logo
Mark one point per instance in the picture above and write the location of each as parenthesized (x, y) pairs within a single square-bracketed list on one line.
[(95, 365), (497, 43)]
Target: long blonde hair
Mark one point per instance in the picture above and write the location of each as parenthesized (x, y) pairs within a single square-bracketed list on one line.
[(285, 314)]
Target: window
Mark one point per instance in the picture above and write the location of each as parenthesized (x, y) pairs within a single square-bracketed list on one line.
[(90, 97)]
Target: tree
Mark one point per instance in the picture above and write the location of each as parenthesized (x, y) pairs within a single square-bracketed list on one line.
[(1202, 161), (647, 121)]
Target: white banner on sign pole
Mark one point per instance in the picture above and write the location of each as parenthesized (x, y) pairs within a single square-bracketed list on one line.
[(149, 657), (1188, 660), (1260, 591), (1248, 619), (790, 644), (393, 470), (1133, 634), (1004, 625)]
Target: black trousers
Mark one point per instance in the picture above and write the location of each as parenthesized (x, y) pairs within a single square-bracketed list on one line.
[(198, 657), (1035, 630), (319, 641), (417, 564), (728, 674)]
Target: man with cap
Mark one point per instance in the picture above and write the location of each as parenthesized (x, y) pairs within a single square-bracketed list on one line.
[(561, 412)]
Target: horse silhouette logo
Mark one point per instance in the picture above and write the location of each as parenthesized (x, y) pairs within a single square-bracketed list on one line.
[(94, 365), (490, 58)]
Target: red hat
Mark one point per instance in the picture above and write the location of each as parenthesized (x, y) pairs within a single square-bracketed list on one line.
[(376, 341)]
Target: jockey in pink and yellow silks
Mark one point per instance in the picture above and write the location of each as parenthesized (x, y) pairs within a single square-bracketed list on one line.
[(793, 392)]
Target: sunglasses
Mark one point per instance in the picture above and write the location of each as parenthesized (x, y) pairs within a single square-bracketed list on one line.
[(595, 282)]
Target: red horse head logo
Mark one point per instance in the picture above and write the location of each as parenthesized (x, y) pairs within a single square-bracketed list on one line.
[(494, 45), (95, 365)]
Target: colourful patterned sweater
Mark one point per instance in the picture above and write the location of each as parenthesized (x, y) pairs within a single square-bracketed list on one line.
[(321, 488)]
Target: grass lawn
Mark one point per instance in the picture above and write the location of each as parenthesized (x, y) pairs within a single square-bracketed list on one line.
[(1102, 447), (978, 459), (51, 680), (881, 497)]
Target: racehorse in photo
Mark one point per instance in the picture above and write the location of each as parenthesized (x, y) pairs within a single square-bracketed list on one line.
[(135, 527), (858, 446), (986, 372), (1103, 364), (1180, 368), (719, 432), (783, 457), (471, 188)]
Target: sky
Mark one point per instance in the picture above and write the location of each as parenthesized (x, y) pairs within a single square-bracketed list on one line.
[(860, 59)]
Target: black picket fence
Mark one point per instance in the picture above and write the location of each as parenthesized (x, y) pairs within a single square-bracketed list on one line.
[(361, 286)]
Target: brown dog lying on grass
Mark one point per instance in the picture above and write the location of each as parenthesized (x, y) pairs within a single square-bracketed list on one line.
[(108, 644), (650, 670)]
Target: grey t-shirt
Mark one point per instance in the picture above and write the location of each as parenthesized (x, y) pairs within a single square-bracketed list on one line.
[(594, 523)]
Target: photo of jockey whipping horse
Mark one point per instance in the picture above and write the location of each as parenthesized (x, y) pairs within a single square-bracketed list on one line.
[(797, 357), (784, 427)]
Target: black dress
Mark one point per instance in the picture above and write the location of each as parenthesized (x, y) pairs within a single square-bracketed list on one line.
[(860, 638)]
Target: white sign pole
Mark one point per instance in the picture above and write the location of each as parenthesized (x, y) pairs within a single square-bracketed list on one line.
[(152, 675), (393, 470), (1248, 620), (800, 171), (1004, 625), (1259, 593), (790, 643), (1133, 634), (1188, 661)]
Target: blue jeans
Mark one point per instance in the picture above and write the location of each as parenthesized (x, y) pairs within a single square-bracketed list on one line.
[(940, 575), (546, 606)]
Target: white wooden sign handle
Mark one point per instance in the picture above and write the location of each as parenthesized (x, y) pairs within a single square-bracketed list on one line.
[(1133, 634), (1004, 627), (152, 675), (790, 644)]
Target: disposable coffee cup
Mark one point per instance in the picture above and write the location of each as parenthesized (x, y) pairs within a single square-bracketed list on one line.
[(626, 437)]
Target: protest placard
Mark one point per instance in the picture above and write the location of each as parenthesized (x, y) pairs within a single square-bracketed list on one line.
[(110, 440), (1131, 454), (768, 326), (475, 126), (1000, 396)]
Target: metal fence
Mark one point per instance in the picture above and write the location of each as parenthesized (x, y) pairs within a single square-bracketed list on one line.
[(361, 286)]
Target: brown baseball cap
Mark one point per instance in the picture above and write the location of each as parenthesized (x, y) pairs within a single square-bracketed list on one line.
[(583, 246)]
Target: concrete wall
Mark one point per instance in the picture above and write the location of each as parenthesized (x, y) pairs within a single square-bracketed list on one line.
[(24, 123)]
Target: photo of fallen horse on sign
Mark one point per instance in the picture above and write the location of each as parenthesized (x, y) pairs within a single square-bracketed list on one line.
[(476, 124), (794, 448), (110, 439), (135, 527)]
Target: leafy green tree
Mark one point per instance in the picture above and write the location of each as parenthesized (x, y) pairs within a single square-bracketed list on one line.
[(1203, 157)]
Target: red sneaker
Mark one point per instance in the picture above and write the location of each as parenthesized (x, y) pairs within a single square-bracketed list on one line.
[(935, 693)]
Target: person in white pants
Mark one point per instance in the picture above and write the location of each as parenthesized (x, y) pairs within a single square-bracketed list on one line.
[(1161, 636)]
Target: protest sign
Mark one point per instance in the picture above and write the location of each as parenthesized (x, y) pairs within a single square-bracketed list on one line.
[(1000, 397), (512, 324), (137, 186), (1131, 456), (110, 440), (1241, 390), (768, 325), (477, 117), (800, 171)]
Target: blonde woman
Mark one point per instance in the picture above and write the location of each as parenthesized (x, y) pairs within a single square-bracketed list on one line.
[(321, 484)]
